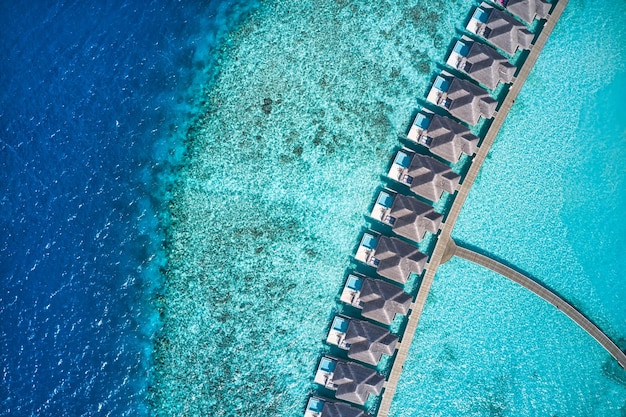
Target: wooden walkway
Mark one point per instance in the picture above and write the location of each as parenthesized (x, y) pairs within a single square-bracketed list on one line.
[(438, 257), (543, 292)]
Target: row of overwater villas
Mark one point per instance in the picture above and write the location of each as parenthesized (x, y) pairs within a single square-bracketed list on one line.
[(393, 259)]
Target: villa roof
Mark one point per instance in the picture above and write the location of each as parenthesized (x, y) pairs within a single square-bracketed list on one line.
[(527, 10), (450, 139), (354, 383), (431, 177), (485, 65), (382, 301), (369, 342), (398, 259), (469, 101), (505, 31), (414, 218), (335, 409)]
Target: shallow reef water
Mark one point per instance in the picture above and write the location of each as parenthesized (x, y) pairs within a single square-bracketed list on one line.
[(300, 124)]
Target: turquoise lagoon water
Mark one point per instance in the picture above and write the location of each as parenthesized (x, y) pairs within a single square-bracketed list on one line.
[(301, 122), (549, 200)]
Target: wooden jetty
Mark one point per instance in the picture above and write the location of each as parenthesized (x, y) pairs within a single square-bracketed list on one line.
[(442, 252)]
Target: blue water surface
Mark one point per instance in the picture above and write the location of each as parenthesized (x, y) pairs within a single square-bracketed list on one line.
[(93, 109)]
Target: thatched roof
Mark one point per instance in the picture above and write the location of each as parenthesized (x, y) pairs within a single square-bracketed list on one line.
[(504, 31), (382, 301), (397, 259), (334, 409), (449, 139), (486, 65), (413, 218), (369, 342), (430, 178), (327, 408), (355, 383), (468, 102), (528, 10)]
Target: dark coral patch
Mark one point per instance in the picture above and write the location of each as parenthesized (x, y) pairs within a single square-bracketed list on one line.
[(267, 105)]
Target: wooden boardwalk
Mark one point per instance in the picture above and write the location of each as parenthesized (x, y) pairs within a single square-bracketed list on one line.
[(543, 292), (438, 256)]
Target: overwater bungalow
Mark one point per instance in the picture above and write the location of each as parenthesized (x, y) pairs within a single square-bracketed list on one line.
[(500, 28), (364, 341), (392, 258), (527, 10), (481, 62), (321, 407), (350, 381), (406, 215), (378, 300), (425, 176), (443, 136), (461, 98)]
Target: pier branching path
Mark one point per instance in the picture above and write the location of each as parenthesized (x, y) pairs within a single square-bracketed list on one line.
[(543, 292)]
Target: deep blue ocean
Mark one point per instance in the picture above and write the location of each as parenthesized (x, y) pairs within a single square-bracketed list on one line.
[(94, 104)]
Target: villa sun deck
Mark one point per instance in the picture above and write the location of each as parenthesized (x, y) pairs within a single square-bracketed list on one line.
[(321, 407), (325, 372), (350, 381), (462, 99), (366, 250), (337, 332), (442, 136), (392, 258), (425, 176), (500, 29), (364, 341), (481, 62), (382, 208), (407, 216), (378, 300)]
